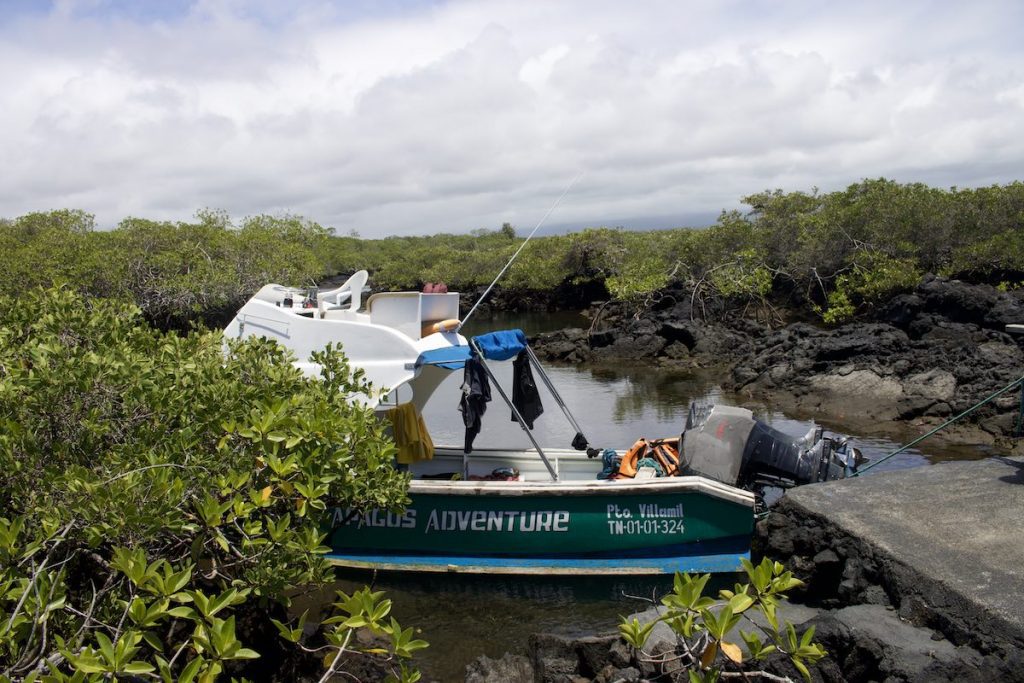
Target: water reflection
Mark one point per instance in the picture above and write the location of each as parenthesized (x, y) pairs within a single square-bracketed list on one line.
[(617, 405), (530, 323), (639, 391), (613, 406)]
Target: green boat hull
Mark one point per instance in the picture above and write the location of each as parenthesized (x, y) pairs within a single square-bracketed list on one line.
[(592, 525)]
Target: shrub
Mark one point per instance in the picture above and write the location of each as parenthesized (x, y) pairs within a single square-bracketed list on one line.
[(179, 274), (706, 628), (873, 279), (161, 494)]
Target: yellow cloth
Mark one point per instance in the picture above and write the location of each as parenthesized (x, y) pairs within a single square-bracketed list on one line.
[(410, 434)]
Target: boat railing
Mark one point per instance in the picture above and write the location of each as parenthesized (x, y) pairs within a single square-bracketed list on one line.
[(508, 344), (515, 412)]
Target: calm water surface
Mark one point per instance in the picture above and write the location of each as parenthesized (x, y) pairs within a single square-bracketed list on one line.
[(464, 617)]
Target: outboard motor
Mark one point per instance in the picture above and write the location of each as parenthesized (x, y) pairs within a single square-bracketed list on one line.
[(773, 458), (727, 444)]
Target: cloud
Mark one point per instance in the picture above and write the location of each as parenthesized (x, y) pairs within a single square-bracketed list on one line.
[(415, 117)]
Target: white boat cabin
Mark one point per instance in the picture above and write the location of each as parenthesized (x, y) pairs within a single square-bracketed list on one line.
[(397, 337)]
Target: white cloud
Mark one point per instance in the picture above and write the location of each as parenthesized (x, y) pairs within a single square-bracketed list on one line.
[(462, 114), (536, 70)]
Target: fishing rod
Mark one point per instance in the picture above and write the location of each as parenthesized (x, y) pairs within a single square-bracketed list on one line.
[(515, 255), (580, 441)]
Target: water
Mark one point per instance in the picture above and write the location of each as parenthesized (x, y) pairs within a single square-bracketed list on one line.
[(464, 617), (617, 404)]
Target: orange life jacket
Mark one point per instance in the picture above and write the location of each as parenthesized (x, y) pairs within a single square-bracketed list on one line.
[(663, 451)]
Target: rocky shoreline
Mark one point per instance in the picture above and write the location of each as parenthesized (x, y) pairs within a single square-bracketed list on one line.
[(880, 618), (893, 592), (923, 357)]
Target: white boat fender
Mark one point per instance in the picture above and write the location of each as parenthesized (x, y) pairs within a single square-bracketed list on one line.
[(448, 325)]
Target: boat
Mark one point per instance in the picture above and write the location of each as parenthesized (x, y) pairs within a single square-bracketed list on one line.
[(537, 510)]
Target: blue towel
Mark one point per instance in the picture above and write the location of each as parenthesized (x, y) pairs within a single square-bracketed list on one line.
[(501, 345), (447, 357), (611, 461)]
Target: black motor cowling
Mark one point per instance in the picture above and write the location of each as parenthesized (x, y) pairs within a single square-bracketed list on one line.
[(727, 444), (772, 457)]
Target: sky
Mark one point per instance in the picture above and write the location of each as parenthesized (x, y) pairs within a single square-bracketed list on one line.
[(421, 116)]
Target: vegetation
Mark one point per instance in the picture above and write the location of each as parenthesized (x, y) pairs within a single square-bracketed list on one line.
[(706, 628), (163, 497), (179, 274), (833, 255)]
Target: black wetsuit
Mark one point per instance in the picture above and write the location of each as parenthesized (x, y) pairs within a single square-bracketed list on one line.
[(476, 392), (524, 391)]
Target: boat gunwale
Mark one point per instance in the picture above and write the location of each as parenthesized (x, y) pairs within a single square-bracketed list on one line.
[(611, 488)]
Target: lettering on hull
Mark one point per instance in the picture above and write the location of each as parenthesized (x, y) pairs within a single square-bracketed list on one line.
[(374, 518), (498, 520), (525, 521), (648, 519)]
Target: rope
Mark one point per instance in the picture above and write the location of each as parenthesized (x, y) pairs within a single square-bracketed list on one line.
[(1020, 416), (948, 422), (515, 255)]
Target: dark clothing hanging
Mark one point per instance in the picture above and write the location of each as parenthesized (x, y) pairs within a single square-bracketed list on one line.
[(476, 392), (524, 391)]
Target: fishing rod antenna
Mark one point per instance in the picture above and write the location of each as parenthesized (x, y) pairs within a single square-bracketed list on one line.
[(515, 255)]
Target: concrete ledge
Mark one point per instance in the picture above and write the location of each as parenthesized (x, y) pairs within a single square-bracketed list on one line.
[(944, 544)]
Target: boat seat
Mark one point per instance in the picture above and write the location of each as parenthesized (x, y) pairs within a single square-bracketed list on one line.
[(347, 297)]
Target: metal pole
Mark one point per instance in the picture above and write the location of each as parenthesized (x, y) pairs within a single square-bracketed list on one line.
[(554, 392), (515, 412)]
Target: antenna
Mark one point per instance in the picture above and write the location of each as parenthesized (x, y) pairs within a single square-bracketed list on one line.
[(521, 246)]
